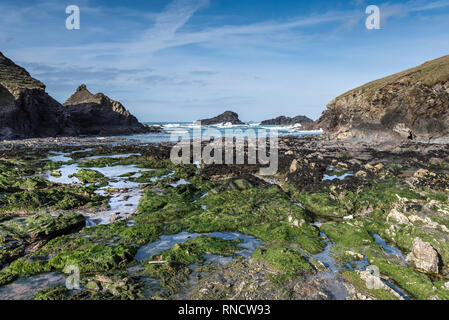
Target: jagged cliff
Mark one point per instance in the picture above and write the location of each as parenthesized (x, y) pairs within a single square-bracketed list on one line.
[(26, 110), (97, 114), (413, 104)]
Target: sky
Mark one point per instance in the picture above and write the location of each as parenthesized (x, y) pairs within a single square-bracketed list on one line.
[(183, 60)]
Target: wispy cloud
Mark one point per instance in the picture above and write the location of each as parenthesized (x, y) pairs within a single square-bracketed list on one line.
[(404, 9), (182, 55)]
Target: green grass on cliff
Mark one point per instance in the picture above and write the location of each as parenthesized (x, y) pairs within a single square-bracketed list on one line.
[(429, 73)]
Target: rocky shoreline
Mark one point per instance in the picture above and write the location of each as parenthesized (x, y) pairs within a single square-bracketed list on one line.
[(333, 211), (359, 212)]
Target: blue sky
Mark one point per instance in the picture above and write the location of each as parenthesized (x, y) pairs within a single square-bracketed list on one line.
[(183, 60)]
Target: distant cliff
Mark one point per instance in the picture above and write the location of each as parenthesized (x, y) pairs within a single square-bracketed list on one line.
[(412, 104), (225, 117), (26, 110)]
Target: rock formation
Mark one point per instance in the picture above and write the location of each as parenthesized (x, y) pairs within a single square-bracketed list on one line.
[(287, 121), (424, 256), (26, 110), (225, 117), (413, 104), (97, 114)]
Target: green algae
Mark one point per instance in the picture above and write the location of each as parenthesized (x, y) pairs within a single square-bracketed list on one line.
[(97, 249), (54, 198), (379, 294), (138, 161), (100, 287), (378, 196), (52, 293), (56, 173), (89, 176), (288, 263), (416, 284), (174, 269), (235, 205), (149, 176), (307, 237), (16, 234), (97, 258)]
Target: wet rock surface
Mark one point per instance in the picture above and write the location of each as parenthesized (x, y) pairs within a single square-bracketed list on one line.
[(337, 221), (424, 256)]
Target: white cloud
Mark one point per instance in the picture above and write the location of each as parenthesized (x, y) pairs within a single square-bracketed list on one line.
[(144, 58)]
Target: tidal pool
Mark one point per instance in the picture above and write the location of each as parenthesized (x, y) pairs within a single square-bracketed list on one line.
[(248, 245), (25, 288), (389, 249), (122, 203), (342, 177)]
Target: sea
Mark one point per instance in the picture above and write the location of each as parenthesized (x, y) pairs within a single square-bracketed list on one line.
[(175, 131)]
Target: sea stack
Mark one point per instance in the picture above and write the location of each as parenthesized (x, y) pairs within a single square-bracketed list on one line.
[(224, 118), (412, 104), (97, 114), (287, 121), (26, 110)]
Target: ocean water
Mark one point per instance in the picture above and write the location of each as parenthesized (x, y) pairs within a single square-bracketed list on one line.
[(175, 131)]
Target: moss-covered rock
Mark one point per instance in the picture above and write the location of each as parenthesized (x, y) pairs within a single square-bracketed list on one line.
[(172, 265)]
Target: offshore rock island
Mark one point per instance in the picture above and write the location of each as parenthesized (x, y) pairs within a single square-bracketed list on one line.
[(227, 117), (287, 121), (372, 191)]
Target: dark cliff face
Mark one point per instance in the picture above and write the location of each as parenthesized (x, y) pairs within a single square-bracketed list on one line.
[(225, 117), (26, 110), (287, 121), (413, 104), (97, 114)]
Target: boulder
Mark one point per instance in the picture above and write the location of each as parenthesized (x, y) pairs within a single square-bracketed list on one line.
[(294, 165), (397, 216), (424, 257)]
